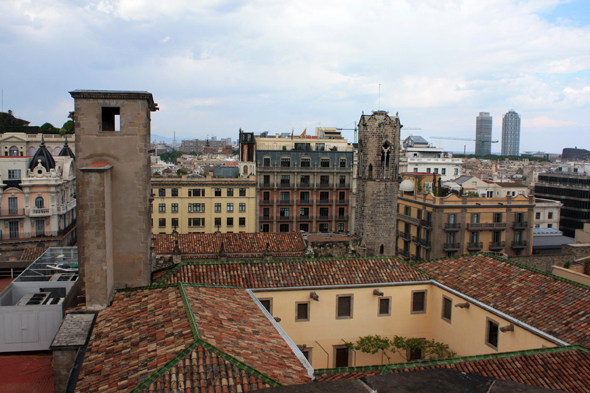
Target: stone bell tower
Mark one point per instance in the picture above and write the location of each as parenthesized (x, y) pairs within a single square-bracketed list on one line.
[(378, 182)]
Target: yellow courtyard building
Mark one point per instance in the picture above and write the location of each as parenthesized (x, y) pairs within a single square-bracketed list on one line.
[(204, 205)]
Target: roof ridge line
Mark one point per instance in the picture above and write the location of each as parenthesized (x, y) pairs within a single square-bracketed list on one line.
[(154, 286), (286, 260), (170, 273), (460, 359), (159, 372), (239, 363), (189, 313)]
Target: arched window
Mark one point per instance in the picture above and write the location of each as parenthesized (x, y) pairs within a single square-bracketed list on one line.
[(13, 151), (39, 202)]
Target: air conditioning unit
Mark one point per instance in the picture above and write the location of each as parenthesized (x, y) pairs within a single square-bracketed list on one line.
[(34, 299)]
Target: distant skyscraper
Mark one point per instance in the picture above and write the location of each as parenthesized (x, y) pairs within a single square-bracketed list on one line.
[(483, 132), (511, 134)]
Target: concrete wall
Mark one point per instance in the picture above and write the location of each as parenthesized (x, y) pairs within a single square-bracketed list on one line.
[(571, 275), (63, 360)]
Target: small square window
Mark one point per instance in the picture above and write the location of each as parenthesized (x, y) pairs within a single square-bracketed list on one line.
[(550, 215), (305, 162), (175, 192), (242, 221), (242, 192), (343, 163), (418, 302), (230, 221), (302, 311), (325, 163), (111, 120), (492, 329), (230, 207), (162, 207), (218, 192), (344, 306), (174, 207), (266, 161), (162, 192), (162, 222), (218, 207), (175, 223), (285, 162), (267, 303), (284, 228), (218, 222), (447, 308), (384, 306)]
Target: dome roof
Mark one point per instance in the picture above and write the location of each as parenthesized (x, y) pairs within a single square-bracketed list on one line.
[(42, 156), (66, 151), (407, 185)]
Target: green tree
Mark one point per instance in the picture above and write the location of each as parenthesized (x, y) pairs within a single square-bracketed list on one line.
[(67, 128), (48, 128), (181, 172), (404, 346), (372, 345)]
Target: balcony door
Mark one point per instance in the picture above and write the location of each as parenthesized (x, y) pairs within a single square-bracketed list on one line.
[(13, 206)]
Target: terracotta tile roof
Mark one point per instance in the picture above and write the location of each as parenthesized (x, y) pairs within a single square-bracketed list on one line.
[(134, 337), (32, 253), (328, 238), (562, 368), (233, 243), (231, 321), (194, 372), (164, 338), (305, 272), (556, 306)]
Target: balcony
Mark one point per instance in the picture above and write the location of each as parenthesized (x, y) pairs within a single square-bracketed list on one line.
[(408, 219), (342, 201), (12, 213), (426, 224), (40, 212), (342, 217), (265, 218), (425, 243), (519, 244), (305, 185), (305, 202), (486, 226), (28, 236), (325, 201), (324, 185), (285, 202), (416, 240), (451, 246), (71, 204), (403, 253), (61, 209), (404, 235), (452, 226), (284, 218), (304, 217), (415, 258), (285, 185), (475, 246), (323, 217), (266, 202), (520, 225), (343, 185), (497, 246), (266, 185)]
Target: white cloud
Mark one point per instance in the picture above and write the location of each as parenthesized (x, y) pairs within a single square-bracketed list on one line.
[(546, 122)]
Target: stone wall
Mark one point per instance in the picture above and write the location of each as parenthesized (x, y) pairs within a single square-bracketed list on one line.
[(544, 262), (63, 360)]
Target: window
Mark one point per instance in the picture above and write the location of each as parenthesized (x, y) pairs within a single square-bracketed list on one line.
[(342, 181), (230, 192), (519, 217), (341, 213), (266, 180), (162, 192), (196, 207), (265, 212), (302, 311), (325, 162), (418, 302), (324, 196), (384, 306), (307, 353), (436, 170), (111, 118), (340, 227), (196, 222), (174, 207), (304, 227), (285, 162), (242, 221), (537, 216), (218, 192), (230, 207), (39, 202), (325, 180), (175, 223), (162, 222), (452, 218), (304, 212), (305, 163), (175, 192), (267, 303), (492, 328), (285, 196), (324, 212), (14, 174), (217, 207), (497, 217), (475, 218), (162, 207), (416, 170), (341, 196), (550, 216), (242, 207), (218, 222), (265, 228), (447, 308), (285, 180), (323, 227), (343, 306), (320, 146), (443, 171), (284, 212), (266, 161), (343, 163), (305, 180), (284, 228), (266, 196), (414, 354), (456, 172), (304, 196), (341, 356), (428, 170), (408, 211), (242, 192), (549, 225), (230, 222)]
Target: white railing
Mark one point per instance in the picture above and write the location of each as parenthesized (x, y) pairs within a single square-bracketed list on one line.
[(71, 205), (37, 212)]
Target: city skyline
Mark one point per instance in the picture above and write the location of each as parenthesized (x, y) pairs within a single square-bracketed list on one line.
[(218, 66)]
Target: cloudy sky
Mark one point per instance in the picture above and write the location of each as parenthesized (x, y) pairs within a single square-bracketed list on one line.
[(214, 66)]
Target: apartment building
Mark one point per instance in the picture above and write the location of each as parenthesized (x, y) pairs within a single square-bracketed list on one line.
[(547, 213), (204, 205), (38, 198), (420, 156), (25, 144), (304, 184), (434, 227)]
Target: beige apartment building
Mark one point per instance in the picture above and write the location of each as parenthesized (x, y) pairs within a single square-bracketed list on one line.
[(433, 227), (204, 205)]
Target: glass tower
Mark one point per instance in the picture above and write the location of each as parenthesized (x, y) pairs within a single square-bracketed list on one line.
[(511, 134), (483, 134)]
